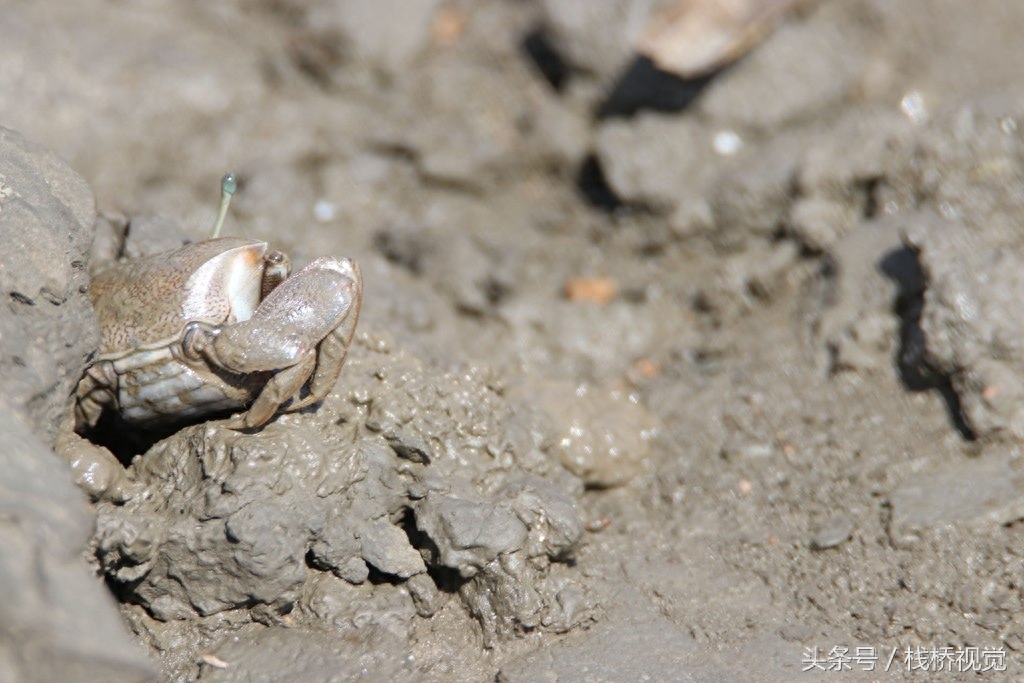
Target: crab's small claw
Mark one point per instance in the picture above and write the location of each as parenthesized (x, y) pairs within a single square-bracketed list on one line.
[(277, 391)]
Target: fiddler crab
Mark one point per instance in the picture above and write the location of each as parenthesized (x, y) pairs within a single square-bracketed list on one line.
[(216, 326)]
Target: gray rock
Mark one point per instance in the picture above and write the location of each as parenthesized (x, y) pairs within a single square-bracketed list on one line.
[(47, 327)]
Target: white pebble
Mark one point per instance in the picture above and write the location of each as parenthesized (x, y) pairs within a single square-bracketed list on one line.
[(324, 210), (727, 143), (913, 107)]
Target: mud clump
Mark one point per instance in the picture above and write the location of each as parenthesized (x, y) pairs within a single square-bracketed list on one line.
[(966, 238), (435, 484), (971, 330), (46, 217), (601, 436), (57, 622)]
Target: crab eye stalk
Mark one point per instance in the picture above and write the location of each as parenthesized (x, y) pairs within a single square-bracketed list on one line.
[(276, 268), (228, 186)]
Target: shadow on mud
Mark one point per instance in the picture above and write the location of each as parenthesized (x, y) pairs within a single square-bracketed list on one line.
[(903, 267)]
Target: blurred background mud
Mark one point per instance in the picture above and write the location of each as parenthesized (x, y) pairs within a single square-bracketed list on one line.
[(677, 358)]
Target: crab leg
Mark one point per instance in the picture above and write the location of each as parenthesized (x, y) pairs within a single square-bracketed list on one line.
[(96, 391), (281, 387)]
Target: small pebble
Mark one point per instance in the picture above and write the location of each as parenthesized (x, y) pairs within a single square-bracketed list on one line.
[(643, 370), (833, 532), (324, 211), (913, 107), (596, 289), (449, 25), (215, 661), (740, 449), (727, 143)]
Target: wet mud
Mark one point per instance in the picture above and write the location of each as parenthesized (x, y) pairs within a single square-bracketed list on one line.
[(654, 378)]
